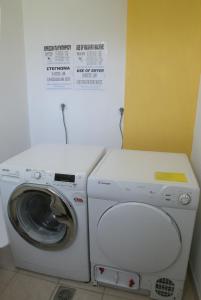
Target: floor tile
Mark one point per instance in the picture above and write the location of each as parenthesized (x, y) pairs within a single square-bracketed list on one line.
[(81, 294), (123, 294), (86, 286), (5, 277), (86, 295), (38, 275), (122, 297), (28, 288)]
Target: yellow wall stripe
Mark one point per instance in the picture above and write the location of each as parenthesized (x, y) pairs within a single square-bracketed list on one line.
[(162, 77)]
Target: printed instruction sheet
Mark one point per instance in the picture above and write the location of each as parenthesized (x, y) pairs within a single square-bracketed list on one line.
[(89, 66), (58, 66), (75, 66)]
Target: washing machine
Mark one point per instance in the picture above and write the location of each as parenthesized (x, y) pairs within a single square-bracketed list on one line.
[(142, 209), (45, 205)]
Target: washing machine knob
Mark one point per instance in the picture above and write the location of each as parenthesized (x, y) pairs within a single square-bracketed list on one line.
[(37, 175), (185, 199)]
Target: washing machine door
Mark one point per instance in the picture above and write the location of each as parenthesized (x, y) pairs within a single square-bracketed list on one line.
[(139, 237), (42, 216)]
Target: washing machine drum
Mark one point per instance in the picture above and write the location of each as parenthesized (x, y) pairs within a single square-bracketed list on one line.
[(42, 216), (138, 237)]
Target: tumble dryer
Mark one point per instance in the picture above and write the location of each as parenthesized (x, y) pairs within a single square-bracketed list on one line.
[(142, 209), (45, 205)]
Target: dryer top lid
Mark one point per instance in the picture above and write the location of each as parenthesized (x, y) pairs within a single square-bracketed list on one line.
[(145, 166), (66, 159)]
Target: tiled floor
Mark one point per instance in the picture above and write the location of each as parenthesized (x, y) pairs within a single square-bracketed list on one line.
[(24, 285)]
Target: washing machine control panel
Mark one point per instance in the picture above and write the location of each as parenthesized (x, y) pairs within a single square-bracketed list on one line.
[(29, 175), (9, 173), (64, 178), (37, 175), (72, 181)]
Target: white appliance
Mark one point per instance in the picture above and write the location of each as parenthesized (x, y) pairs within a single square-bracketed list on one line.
[(45, 203), (142, 209)]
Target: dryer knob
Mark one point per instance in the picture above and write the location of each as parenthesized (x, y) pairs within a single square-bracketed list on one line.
[(37, 175), (185, 199)]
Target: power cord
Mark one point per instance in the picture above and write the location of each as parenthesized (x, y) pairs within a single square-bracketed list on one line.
[(64, 121), (121, 110)]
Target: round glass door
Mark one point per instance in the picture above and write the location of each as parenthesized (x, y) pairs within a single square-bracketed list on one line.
[(42, 216)]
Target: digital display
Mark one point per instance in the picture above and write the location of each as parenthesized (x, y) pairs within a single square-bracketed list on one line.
[(64, 177)]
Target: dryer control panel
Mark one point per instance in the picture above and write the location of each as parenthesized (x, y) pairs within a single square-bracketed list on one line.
[(180, 197), (160, 195)]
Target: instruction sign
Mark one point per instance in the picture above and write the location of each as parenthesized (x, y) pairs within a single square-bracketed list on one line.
[(58, 66), (89, 66)]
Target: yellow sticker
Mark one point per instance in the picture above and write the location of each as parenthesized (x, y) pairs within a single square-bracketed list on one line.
[(170, 176)]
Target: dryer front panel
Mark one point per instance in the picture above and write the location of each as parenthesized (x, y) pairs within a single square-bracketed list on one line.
[(42, 216), (139, 237)]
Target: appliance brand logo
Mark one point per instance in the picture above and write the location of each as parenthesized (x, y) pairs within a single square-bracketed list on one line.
[(104, 182), (78, 200)]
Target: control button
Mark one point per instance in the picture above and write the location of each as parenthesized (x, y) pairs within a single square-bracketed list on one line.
[(185, 199), (37, 175), (131, 283), (102, 270)]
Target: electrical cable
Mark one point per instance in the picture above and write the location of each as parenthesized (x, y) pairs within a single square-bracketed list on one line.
[(64, 122), (121, 110)]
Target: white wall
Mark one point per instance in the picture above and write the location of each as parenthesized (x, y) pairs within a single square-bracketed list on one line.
[(92, 116), (196, 161), (14, 131)]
